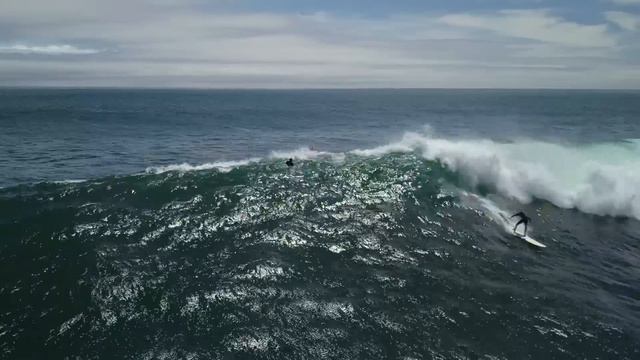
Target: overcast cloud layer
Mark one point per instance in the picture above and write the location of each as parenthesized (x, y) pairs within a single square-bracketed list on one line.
[(313, 44)]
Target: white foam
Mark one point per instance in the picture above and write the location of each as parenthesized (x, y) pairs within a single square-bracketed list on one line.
[(223, 166), (602, 179), (303, 153), (70, 181)]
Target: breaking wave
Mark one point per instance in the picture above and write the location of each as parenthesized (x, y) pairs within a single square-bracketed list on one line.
[(600, 179)]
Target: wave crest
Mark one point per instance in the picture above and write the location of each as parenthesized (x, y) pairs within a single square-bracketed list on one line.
[(601, 179), (304, 153), (223, 166)]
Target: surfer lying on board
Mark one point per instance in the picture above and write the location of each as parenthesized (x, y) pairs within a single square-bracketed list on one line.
[(289, 163), (524, 219)]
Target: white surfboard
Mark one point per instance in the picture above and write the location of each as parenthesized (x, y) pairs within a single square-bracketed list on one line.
[(527, 238), (530, 240), (501, 217)]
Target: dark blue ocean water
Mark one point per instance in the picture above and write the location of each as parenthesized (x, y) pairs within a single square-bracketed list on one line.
[(81, 134), (150, 224)]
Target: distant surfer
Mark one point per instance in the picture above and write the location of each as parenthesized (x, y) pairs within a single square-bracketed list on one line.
[(289, 163), (524, 219)]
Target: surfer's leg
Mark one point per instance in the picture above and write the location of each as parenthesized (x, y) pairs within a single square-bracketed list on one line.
[(525, 229), (518, 224)]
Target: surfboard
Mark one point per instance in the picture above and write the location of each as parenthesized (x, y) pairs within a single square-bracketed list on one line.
[(530, 240), (506, 223)]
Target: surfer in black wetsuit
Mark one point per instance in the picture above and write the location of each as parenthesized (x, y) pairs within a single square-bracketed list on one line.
[(524, 219), (289, 163)]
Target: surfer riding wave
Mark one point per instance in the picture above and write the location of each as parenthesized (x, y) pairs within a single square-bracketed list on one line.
[(524, 219)]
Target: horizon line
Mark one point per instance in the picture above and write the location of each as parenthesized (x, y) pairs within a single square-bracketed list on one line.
[(158, 88)]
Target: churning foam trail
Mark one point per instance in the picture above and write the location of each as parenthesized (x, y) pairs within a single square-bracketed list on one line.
[(223, 166), (602, 179), (303, 153), (70, 181)]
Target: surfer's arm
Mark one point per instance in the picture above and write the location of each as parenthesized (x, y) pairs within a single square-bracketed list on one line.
[(518, 214)]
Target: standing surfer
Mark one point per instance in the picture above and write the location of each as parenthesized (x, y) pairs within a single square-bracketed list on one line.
[(524, 219)]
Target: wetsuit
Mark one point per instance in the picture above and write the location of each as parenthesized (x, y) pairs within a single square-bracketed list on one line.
[(524, 219)]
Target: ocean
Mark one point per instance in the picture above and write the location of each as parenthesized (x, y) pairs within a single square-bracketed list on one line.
[(164, 224)]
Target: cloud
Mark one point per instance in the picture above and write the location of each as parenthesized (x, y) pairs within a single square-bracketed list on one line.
[(192, 43), (624, 20), (626, 2), (46, 50), (537, 25)]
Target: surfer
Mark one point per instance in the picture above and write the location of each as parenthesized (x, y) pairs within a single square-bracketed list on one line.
[(524, 219), (289, 163)]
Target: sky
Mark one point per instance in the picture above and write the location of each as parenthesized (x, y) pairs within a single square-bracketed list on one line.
[(581, 44)]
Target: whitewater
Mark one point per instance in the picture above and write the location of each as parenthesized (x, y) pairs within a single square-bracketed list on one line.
[(600, 179)]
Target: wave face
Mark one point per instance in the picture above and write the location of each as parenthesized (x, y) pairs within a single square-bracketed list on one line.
[(597, 179), (392, 252)]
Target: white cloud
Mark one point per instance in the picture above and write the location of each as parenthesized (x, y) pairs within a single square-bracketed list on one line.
[(537, 25), (624, 20), (161, 43), (46, 50), (555, 52), (282, 75), (626, 2)]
